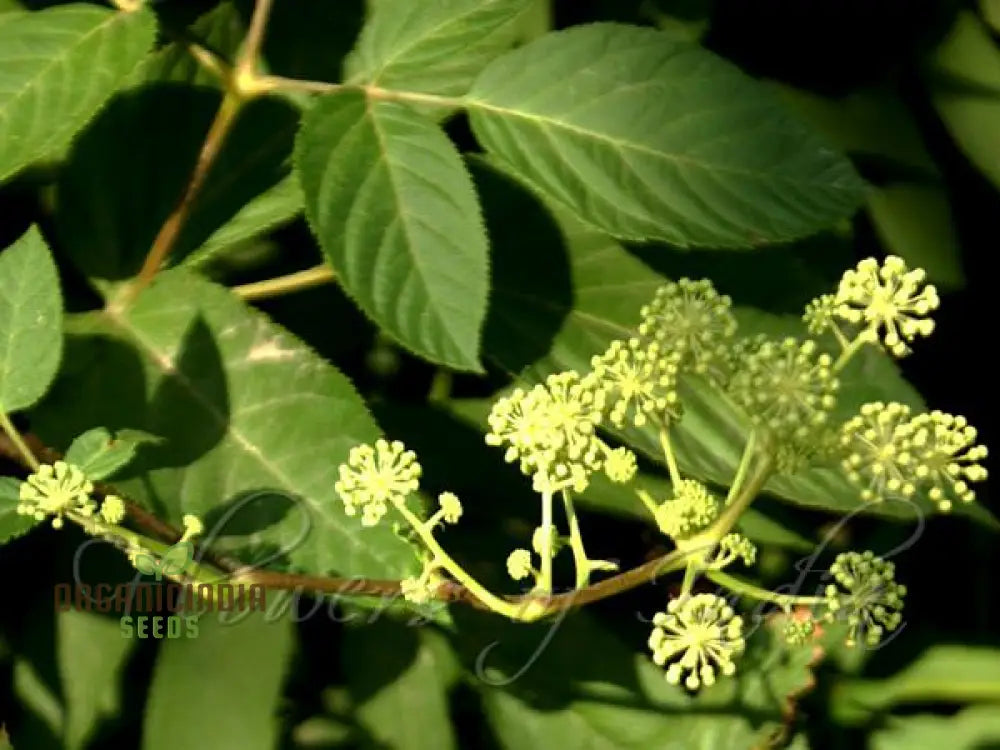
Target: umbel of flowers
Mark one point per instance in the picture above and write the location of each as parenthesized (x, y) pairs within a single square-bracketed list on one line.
[(560, 431)]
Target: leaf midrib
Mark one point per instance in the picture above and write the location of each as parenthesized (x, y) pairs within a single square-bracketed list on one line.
[(158, 359), (550, 122), (370, 114)]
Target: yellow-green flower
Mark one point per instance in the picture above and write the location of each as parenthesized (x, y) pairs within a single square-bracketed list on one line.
[(113, 510), (789, 388), (892, 302), (820, 313), (640, 381), (451, 507), (375, 477), (693, 320), (878, 451), (54, 490), (947, 457), (697, 637), (620, 465), (691, 509), (865, 595), (551, 431), (519, 564)]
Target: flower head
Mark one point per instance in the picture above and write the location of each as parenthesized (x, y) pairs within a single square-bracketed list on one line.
[(620, 465), (375, 476), (947, 457), (820, 313), (691, 509), (54, 490), (519, 564), (706, 635), (798, 631), (877, 445), (789, 387), (692, 319), (192, 527), (451, 507), (866, 595), (113, 510), (640, 381), (733, 547), (551, 430), (891, 301)]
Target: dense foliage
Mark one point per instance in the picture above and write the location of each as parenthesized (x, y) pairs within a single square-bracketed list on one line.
[(496, 373)]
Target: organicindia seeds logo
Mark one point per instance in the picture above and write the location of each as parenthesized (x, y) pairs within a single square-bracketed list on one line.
[(163, 608)]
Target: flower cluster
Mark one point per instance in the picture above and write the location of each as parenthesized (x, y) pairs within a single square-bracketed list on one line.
[(733, 547), (789, 388), (640, 381), (889, 453), (55, 490), (691, 319), (696, 637), (423, 588), (691, 509), (552, 431), (889, 300), (866, 595), (375, 477), (519, 564)]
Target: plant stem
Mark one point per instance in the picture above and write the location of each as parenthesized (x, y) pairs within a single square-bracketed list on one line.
[(849, 351), (753, 484), (690, 574), (741, 471), (450, 591), (545, 579), (648, 501), (279, 285), (167, 237), (668, 454), (249, 54), (440, 390), (739, 586), (580, 561), (279, 83), (18, 441), (495, 603)]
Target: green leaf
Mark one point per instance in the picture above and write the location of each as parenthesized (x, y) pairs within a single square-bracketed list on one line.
[(975, 728), (12, 524), (942, 674), (870, 122), (397, 217), (220, 689), (268, 211), (617, 699), (395, 671), (915, 222), (647, 137), (965, 89), (99, 454), (585, 290), (30, 321), (254, 426), (60, 65), (92, 658), (68, 675), (220, 30), (436, 47), (112, 202)]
